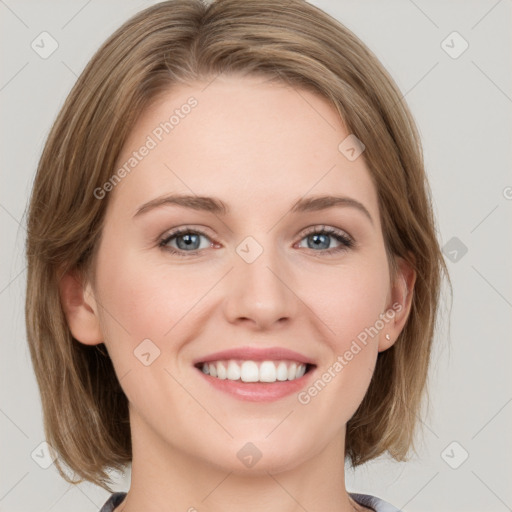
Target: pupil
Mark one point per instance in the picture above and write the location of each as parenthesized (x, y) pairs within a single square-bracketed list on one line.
[(316, 237), (188, 241)]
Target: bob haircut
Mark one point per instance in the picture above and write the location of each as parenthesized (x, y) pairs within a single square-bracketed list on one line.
[(85, 411)]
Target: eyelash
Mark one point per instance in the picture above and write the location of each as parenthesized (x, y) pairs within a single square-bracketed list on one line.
[(345, 241)]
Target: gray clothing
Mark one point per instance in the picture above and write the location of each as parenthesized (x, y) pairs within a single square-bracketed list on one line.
[(363, 499)]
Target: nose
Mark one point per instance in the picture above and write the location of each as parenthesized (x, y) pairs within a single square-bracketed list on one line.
[(260, 294)]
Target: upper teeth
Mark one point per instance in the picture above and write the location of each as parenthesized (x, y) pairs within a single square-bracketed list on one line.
[(255, 371)]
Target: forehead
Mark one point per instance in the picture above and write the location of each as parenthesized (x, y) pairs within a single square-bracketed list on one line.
[(243, 139)]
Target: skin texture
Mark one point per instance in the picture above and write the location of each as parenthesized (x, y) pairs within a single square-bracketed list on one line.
[(258, 147)]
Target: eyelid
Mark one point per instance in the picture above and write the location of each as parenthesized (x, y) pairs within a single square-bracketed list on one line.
[(319, 228), (188, 228), (201, 230)]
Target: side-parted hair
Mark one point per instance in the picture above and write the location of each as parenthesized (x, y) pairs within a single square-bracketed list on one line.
[(85, 410)]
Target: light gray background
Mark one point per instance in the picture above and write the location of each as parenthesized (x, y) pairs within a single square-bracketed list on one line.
[(463, 108)]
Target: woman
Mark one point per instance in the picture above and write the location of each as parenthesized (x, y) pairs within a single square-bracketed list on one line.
[(233, 270)]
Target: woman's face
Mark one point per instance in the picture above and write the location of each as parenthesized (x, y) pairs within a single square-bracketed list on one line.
[(246, 276)]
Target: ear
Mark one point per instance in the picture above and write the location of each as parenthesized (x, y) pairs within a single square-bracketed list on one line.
[(80, 308), (399, 304)]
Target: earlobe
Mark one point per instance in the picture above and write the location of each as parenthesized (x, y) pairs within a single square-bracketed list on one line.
[(80, 309), (400, 304)]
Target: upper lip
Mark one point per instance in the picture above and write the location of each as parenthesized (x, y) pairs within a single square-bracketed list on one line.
[(256, 354)]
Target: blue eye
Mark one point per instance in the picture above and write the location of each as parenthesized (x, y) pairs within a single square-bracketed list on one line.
[(320, 238), (188, 241)]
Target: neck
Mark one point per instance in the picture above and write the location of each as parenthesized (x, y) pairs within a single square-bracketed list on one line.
[(166, 479)]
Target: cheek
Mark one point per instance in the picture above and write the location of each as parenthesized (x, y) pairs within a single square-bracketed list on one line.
[(351, 304), (351, 300), (142, 299), (142, 307)]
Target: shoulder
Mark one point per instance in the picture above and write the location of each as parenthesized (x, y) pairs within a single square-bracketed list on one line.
[(373, 502), (114, 500)]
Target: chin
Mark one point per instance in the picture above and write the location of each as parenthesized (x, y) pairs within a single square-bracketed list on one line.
[(257, 455)]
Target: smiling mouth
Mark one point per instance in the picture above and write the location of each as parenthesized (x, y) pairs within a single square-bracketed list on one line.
[(255, 371)]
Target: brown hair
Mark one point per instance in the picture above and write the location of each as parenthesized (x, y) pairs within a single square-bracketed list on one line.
[(85, 410)]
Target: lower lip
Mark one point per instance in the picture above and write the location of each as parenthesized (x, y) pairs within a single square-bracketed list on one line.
[(258, 391)]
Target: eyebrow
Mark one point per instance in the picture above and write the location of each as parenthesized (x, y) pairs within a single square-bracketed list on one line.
[(216, 206)]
